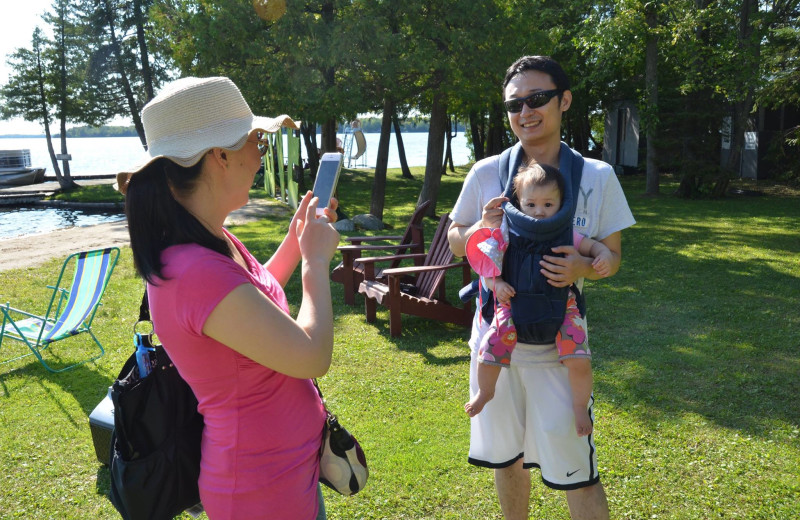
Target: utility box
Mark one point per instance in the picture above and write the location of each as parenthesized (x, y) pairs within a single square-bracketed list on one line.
[(621, 137), (749, 159)]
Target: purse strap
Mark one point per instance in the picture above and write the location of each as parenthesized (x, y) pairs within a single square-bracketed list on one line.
[(330, 415), (321, 397), (144, 307)]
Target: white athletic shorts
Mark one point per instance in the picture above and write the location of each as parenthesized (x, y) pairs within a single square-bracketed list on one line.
[(530, 417)]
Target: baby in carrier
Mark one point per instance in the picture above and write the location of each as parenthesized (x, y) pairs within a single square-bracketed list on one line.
[(538, 192)]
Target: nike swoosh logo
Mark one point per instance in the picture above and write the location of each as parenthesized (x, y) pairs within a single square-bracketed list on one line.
[(570, 473)]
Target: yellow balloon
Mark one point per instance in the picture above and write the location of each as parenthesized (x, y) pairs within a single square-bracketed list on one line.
[(269, 10)]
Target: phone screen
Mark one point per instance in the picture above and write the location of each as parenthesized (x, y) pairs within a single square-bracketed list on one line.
[(327, 176)]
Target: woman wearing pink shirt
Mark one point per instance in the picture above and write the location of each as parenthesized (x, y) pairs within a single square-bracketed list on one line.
[(221, 315)]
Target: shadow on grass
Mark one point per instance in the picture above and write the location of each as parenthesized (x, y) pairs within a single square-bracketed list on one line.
[(702, 319), (419, 335), (82, 382)]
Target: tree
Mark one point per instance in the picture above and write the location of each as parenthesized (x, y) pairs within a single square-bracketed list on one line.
[(401, 151), (49, 78), (121, 76), (446, 60), (29, 91), (651, 89), (781, 64), (299, 64)]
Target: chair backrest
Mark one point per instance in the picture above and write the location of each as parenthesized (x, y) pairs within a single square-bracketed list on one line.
[(92, 271), (438, 254), (415, 231)]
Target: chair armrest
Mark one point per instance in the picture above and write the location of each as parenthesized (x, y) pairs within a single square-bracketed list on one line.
[(388, 247), (370, 261), (6, 310), (358, 240), (388, 258), (401, 271)]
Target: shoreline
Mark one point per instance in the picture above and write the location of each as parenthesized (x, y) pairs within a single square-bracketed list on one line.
[(34, 250)]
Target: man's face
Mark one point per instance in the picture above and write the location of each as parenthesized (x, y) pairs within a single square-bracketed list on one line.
[(536, 126)]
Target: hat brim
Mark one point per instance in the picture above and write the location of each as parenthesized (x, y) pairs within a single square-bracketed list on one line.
[(480, 263), (268, 125)]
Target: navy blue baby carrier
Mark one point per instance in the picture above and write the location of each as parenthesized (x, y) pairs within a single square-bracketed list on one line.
[(538, 308)]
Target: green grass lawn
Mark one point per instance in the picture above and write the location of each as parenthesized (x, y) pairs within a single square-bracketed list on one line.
[(696, 357)]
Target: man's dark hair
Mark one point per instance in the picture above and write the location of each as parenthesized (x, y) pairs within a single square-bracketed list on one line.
[(544, 64)]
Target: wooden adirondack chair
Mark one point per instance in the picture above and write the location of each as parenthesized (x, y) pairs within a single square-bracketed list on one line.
[(350, 273), (425, 296)]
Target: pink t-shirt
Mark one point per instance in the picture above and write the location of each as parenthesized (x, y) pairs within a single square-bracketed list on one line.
[(577, 238), (263, 429)]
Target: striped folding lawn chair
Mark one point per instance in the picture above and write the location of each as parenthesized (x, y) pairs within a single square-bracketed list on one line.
[(71, 310)]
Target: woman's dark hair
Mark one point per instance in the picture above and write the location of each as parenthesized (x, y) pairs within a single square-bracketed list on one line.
[(157, 221), (544, 64)]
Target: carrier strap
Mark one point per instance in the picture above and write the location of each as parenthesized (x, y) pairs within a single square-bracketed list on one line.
[(571, 167)]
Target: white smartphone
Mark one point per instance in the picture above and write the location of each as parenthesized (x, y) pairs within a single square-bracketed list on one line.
[(327, 177)]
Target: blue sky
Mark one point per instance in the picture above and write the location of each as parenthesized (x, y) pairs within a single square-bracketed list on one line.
[(16, 31)]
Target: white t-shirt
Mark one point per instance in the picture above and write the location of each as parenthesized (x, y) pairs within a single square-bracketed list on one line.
[(602, 210)]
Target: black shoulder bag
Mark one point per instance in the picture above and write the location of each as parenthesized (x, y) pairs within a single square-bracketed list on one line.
[(155, 449)]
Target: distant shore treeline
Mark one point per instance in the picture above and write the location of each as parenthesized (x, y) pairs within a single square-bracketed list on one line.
[(88, 131), (410, 124), (368, 125)]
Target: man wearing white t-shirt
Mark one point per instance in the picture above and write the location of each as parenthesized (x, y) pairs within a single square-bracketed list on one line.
[(530, 422)]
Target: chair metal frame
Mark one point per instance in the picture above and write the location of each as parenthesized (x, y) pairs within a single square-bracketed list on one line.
[(70, 311)]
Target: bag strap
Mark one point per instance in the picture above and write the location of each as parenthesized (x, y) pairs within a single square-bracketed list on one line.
[(144, 307), (504, 158), (330, 418), (321, 397)]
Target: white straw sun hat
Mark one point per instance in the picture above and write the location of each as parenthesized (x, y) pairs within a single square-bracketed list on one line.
[(193, 115)]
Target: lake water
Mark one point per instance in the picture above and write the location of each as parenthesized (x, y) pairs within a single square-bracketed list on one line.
[(92, 156), (95, 156), (19, 222)]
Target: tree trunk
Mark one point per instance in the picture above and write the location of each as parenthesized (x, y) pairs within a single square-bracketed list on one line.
[(433, 161), (577, 128), (379, 182), (309, 131), (477, 128), (749, 47), (651, 86), (46, 116), (401, 149), (329, 135), (688, 186), (448, 149), (496, 142), (65, 181), (133, 108), (144, 55)]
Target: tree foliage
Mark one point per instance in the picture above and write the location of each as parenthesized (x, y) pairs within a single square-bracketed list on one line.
[(690, 65)]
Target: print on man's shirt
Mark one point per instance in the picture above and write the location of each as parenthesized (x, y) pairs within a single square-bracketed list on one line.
[(581, 219), (586, 198)]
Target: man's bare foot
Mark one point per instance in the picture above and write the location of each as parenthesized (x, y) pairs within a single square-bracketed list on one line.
[(476, 404)]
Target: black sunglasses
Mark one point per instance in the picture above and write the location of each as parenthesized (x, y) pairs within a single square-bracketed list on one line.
[(261, 139), (535, 100)]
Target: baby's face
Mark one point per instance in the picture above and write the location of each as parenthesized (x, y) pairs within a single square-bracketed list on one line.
[(540, 201)]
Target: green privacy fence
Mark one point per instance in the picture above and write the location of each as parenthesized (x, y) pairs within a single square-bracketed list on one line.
[(279, 179)]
